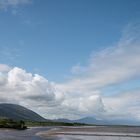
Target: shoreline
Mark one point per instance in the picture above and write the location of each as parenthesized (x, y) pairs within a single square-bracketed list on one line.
[(115, 131)]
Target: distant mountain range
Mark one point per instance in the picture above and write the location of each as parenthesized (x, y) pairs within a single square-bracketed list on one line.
[(92, 120), (18, 112), (86, 120)]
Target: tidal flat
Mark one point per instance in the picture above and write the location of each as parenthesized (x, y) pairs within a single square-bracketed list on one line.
[(73, 133)]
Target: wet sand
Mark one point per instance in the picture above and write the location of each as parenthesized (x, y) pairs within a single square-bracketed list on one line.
[(73, 133), (114, 131)]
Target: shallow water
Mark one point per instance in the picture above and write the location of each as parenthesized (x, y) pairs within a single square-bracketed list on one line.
[(30, 134), (97, 138)]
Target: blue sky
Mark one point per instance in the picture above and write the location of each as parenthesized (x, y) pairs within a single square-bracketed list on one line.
[(51, 36), (82, 51)]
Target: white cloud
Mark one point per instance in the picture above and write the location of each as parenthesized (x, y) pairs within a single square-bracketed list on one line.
[(90, 106), (4, 68), (82, 95), (37, 93), (123, 105), (78, 69), (111, 66), (4, 4), (18, 86)]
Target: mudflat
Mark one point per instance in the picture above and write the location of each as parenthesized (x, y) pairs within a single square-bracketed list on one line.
[(131, 131), (116, 129)]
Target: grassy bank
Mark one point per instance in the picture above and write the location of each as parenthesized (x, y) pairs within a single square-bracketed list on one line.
[(19, 124), (51, 123)]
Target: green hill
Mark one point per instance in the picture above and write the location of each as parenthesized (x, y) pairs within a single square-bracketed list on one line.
[(17, 112)]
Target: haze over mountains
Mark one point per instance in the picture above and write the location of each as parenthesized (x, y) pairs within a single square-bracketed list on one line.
[(18, 112), (92, 120)]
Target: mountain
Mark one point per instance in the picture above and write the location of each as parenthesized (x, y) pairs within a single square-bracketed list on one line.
[(18, 112), (86, 120), (63, 120), (92, 120)]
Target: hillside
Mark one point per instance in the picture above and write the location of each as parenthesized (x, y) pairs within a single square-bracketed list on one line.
[(18, 112)]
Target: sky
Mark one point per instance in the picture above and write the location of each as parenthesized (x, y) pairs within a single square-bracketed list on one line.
[(78, 56)]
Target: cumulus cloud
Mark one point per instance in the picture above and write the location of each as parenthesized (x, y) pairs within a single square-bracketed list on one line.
[(18, 86), (4, 4), (84, 106), (4, 68), (37, 93)]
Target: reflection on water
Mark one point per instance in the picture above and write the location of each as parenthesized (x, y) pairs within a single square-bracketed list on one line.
[(98, 138), (29, 134)]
